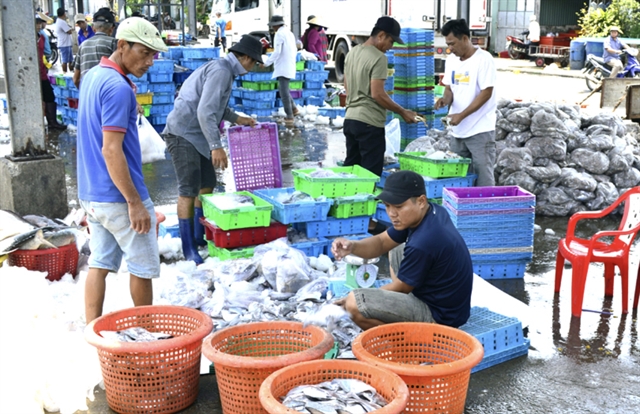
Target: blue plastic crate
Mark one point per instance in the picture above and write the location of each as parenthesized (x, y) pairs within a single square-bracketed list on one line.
[(162, 87), (57, 91), (161, 77), (503, 270), (142, 87), (299, 76), (233, 101), (314, 101), (257, 76), (503, 356), (174, 53), (257, 112), (496, 333), (180, 77), (261, 104), (158, 120), (381, 215), (308, 93), (294, 212), (349, 237), (161, 66), (340, 289), (258, 95), (194, 64), (163, 98), (334, 227), (501, 257), (135, 79), (313, 84), (434, 186), (160, 109), (332, 113), (388, 84), (201, 52), (316, 76), (61, 101), (312, 248), (314, 65), (494, 242), (478, 219), (237, 92)]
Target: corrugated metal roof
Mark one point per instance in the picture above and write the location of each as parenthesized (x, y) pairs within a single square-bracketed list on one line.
[(560, 13)]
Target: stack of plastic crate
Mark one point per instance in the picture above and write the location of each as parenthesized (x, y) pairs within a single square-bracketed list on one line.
[(194, 57), (497, 226), (389, 83), (314, 92), (414, 79), (350, 189), (66, 95), (257, 94), (161, 85), (501, 337)]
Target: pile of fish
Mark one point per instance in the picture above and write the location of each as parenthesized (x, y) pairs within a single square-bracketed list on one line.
[(232, 201), (442, 155), (33, 232), (339, 396), (571, 162), (324, 173), (297, 197), (136, 334)]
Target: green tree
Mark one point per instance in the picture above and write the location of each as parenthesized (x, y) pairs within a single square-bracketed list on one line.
[(595, 22)]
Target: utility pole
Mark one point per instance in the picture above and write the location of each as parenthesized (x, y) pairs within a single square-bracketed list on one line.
[(32, 181)]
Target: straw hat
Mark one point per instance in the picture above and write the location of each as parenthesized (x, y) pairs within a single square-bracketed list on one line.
[(316, 21)]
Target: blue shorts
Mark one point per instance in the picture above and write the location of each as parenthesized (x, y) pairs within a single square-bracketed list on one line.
[(66, 54), (112, 238)]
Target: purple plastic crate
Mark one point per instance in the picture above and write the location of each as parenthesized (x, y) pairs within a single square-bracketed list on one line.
[(485, 198), (296, 94), (255, 157)]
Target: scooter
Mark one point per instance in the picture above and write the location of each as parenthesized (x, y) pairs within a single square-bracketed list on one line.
[(518, 48), (595, 69)]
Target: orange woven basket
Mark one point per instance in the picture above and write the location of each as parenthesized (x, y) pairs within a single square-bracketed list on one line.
[(389, 385), (245, 355), (435, 362), (56, 262), (151, 377)]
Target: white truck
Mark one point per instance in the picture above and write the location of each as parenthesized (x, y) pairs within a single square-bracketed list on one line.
[(349, 22)]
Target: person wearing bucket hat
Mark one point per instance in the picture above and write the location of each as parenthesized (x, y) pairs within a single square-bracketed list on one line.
[(111, 186), (49, 106), (283, 60), (192, 134), (431, 269), (85, 31), (65, 40), (365, 72), (93, 50), (314, 39), (613, 48)]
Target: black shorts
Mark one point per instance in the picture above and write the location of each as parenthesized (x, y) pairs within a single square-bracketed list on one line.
[(365, 145), (47, 91), (193, 170)]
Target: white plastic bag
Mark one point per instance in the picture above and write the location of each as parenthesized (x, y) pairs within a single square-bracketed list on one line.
[(152, 145), (392, 135)]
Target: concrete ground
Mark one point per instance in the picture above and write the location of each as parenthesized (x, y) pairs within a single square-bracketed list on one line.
[(575, 365)]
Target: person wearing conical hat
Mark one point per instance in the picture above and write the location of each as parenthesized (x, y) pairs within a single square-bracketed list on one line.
[(613, 48)]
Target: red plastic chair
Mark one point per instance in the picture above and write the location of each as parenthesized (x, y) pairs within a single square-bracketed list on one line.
[(581, 252)]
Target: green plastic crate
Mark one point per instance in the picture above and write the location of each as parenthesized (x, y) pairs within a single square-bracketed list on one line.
[(228, 254), (358, 205), (364, 182), (333, 352), (414, 161), (61, 81), (295, 84), (260, 86), (147, 109), (300, 65), (258, 215)]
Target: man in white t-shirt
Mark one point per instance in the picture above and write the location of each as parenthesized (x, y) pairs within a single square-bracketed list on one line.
[(65, 39), (469, 77)]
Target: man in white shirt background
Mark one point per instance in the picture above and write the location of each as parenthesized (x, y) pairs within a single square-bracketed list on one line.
[(283, 60), (534, 33), (469, 77), (65, 40)]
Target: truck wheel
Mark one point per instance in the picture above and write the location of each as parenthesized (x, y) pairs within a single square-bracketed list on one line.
[(340, 56)]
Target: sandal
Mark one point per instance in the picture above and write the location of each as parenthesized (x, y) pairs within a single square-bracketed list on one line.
[(288, 122), (296, 112)]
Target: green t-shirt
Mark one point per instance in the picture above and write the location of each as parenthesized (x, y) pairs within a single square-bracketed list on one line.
[(364, 63)]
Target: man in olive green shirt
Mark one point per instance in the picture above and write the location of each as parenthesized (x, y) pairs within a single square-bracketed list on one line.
[(367, 101)]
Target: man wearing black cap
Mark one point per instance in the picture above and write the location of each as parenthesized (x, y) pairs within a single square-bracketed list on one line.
[(98, 46), (432, 278), (367, 101), (192, 134)]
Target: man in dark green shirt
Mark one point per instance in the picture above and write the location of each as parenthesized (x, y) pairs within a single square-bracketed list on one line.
[(367, 101)]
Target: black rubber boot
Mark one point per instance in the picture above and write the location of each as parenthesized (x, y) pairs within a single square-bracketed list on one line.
[(51, 109)]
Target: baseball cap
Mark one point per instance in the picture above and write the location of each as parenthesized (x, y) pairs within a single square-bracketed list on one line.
[(104, 15), (80, 18), (138, 30), (60, 12), (390, 26), (401, 186)]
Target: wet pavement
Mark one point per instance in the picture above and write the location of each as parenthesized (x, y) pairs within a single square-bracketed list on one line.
[(575, 365)]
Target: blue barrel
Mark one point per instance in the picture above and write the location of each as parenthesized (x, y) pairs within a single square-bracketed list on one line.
[(577, 54), (595, 47)]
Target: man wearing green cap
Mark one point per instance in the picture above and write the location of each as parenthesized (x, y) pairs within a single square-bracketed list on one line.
[(111, 186)]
